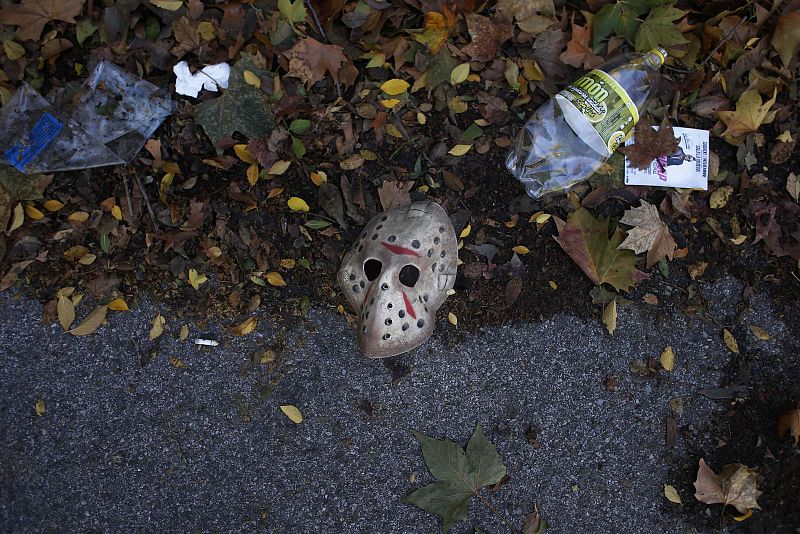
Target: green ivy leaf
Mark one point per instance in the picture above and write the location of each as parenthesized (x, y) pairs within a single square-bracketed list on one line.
[(459, 475), (621, 18), (299, 126), (292, 11), (659, 29)]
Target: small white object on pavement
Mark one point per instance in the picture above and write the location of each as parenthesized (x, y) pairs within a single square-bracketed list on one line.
[(211, 78)]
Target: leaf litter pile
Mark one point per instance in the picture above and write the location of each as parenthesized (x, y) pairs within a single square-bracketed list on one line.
[(245, 199)]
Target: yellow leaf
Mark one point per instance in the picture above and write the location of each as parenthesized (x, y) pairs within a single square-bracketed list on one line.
[(274, 192), (672, 494), (116, 212), (465, 232), (352, 163), (473, 77), (195, 279), (177, 363), (457, 105), (252, 174), (482, 122), (87, 259), (459, 150), (246, 327), (40, 407), (520, 249), (91, 323), (785, 137), (33, 213), (19, 218), (243, 154), (169, 5), (739, 239), (750, 114), (184, 333), (389, 102), (743, 516), (394, 131), (452, 318), (553, 285), (75, 252), (214, 252), (369, 155), (206, 30), (730, 341), (759, 332), (14, 50), (288, 263), (610, 316), (719, 198), (251, 79), (667, 358), (292, 413), (459, 74), (158, 327), (395, 86), (53, 205), (421, 119), (279, 167), (274, 278), (66, 311), (118, 305), (318, 177), (297, 204), (79, 216)]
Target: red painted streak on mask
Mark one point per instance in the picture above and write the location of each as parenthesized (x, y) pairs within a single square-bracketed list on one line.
[(409, 307), (395, 249)]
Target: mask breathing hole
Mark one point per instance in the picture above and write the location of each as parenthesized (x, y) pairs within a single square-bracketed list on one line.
[(409, 275), (372, 268)]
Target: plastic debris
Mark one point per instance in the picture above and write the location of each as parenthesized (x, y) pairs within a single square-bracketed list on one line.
[(105, 122), (210, 78)]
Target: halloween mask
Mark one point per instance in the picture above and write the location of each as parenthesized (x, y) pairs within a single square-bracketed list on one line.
[(397, 275)]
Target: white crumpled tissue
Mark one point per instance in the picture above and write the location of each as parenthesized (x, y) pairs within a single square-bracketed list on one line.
[(210, 78)]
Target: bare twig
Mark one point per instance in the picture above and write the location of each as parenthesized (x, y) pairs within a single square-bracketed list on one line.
[(147, 202), (316, 19), (128, 195)]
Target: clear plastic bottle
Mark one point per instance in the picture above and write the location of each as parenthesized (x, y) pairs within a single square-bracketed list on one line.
[(574, 133)]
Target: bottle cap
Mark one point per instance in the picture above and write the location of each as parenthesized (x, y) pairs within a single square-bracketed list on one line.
[(660, 52)]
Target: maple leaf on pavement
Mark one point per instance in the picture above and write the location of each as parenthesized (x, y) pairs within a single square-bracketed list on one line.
[(649, 144), (736, 485), (586, 241), (32, 15), (649, 233), (309, 60), (750, 114), (579, 53)]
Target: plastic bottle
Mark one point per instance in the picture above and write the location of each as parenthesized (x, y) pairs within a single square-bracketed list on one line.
[(575, 132)]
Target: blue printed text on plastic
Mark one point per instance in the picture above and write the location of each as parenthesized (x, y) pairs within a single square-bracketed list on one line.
[(44, 131)]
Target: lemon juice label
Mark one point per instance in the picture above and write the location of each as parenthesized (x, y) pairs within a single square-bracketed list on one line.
[(599, 110)]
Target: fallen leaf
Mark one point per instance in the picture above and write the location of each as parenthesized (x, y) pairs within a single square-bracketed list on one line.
[(730, 341), (736, 486), (32, 15), (465, 231), (531, 16), (649, 233), (789, 421), (659, 29), (78, 216), (534, 524), (750, 114), (486, 36), (168, 5), (459, 475), (66, 311), (395, 193), (451, 317), (309, 60), (318, 178), (389, 103), (579, 53), (459, 74), (245, 327), (395, 86), (513, 290), (292, 412), (667, 358), (297, 204), (759, 332), (53, 205), (793, 186), (158, 327), (649, 144), (196, 280), (184, 333), (671, 494), (585, 239), (786, 37), (437, 29), (720, 197), (274, 278), (118, 305), (459, 150), (696, 270), (610, 316), (33, 213), (521, 249), (40, 407), (92, 322), (651, 299)]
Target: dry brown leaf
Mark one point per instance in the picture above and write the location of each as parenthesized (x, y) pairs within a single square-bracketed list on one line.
[(309, 60), (91, 323), (66, 311), (750, 114), (789, 421), (649, 144), (730, 341), (158, 327), (246, 327), (649, 233), (487, 35), (394, 194), (696, 270), (579, 51), (32, 15)]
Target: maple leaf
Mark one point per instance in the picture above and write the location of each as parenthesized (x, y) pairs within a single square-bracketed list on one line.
[(579, 53), (786, 38), (659, 29), (750, 114), (621, 18), (586, 241), (309, 60), (486, 35), (649, 233), (649, 144), (459, 476), (736, 485), (394, 194), (438, 27), (531, 16), (32, 15), (790, 422)]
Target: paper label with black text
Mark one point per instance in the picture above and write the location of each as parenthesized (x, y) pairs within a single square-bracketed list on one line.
[(686, 168)]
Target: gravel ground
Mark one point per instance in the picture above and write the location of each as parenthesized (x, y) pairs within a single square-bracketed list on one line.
[(205, 448)]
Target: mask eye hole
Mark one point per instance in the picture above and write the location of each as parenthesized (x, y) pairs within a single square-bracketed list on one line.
[(372, 268), (409, 275)]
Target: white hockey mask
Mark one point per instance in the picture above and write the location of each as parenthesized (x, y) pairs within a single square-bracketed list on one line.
[(397, 275)]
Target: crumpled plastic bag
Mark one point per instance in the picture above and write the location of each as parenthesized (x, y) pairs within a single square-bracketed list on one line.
[(106, 123)]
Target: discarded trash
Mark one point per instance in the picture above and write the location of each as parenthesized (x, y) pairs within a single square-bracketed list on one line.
[(397, 275), (106, 122), (206, 342), (686, 168), (573, 134), (210, 78)]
